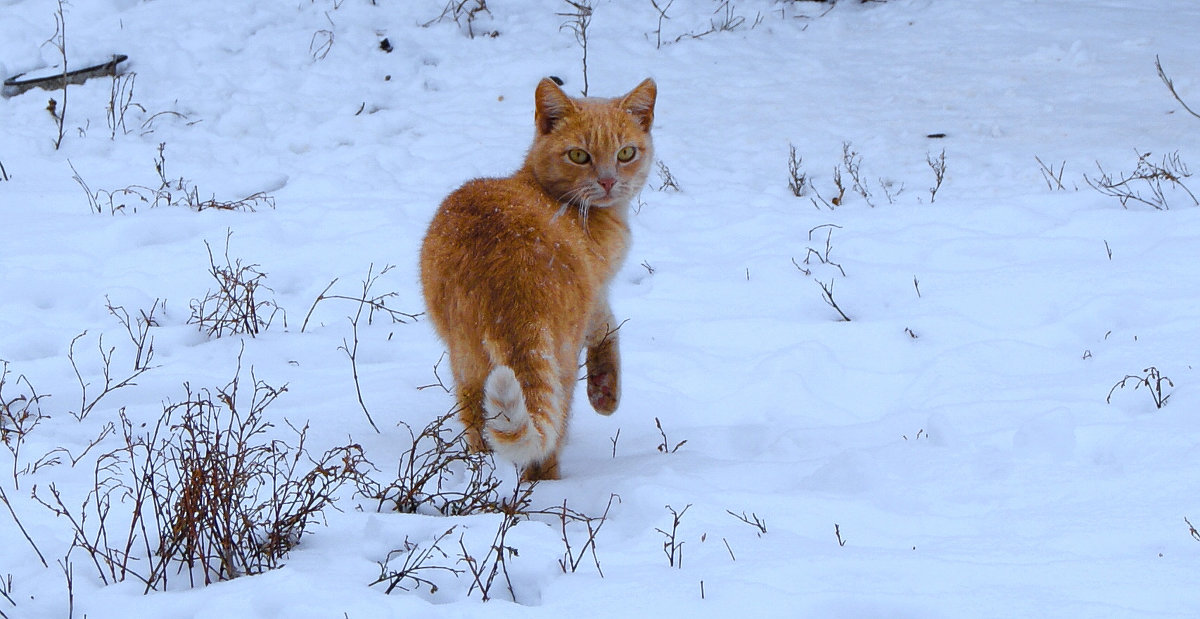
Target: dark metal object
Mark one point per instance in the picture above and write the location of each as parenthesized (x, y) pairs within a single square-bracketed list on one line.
[(14, 85)]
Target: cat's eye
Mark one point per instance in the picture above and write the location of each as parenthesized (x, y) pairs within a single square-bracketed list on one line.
[(579, 156), (625, 155)]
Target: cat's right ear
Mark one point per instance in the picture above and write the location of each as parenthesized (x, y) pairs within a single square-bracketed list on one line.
[(552, 105), (640, 103)]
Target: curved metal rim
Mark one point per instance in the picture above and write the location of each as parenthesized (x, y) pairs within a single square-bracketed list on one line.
[(15, 80)]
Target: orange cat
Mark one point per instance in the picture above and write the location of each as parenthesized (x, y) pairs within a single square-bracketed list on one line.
[(516, 273)]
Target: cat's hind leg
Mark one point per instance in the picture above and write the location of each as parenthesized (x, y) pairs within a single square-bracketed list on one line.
[(525, 411), (468, 394)]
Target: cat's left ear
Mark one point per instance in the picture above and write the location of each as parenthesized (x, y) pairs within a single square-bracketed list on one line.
[(640, 103)]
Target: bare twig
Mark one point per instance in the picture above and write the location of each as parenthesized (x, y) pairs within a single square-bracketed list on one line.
[(1149, 175), (17, 520), (19, 415), (1152, 380), (853, 164), (572, 558), (416, 562), (6, 592), (170, 192), (662, 16), (320, 297), (725, 20), (672, 545), (827, 295), (822, 257), (1052, 177), (439, 472), (59, 41), (68, 570), (1171, 86), (835, 201), (441, 384), (322, 40), (797, 179), (665, 446), (668, 182), (752, 520), (374, 303), (938, 166), (138, 329), (890, 190), (236, 306), (494, 562), (120, 100), (351, 351), (365, 301), (145, 354), (460, 11), (578, 22)]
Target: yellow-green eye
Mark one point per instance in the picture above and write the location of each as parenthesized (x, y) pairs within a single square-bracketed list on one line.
[(579, 156), (625, 155)]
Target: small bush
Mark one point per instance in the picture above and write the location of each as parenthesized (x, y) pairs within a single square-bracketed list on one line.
[(439, 474), (170, 192), (797, 178), (20, 413), (1152, 380), (1150, 183), (236, 306), (204, 493)]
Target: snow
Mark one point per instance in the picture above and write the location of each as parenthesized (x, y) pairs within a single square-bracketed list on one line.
[(962, 431)]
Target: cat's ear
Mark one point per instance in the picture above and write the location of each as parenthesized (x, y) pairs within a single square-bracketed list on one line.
[(640, 103), (552, 105)]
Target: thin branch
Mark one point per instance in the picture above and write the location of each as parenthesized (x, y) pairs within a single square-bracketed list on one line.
[(4, 499), (1171, 86)]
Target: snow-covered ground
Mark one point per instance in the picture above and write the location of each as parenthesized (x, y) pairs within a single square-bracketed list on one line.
[(961, 433)]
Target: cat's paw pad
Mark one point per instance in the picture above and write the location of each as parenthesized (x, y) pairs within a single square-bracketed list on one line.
[(603, 392)]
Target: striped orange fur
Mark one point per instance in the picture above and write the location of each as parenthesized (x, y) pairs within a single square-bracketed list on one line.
[(516, 272)]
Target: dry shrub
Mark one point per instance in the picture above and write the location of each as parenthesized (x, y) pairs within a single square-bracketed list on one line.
[(439, 474), (1150, 183), (237, 305), (20, 413), (204, 494), (170, 192)]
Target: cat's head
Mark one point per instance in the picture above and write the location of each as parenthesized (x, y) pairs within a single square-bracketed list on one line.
[(592, 152)]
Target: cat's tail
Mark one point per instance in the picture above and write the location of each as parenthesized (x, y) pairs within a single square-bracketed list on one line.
[(523, 426)]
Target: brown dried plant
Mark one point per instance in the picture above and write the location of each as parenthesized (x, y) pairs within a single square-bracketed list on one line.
[(205, 494), (237, 305)]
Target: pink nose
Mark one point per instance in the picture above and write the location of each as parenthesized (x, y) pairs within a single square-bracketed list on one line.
[(607, 184)]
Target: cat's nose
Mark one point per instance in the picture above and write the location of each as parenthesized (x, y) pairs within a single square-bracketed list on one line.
[(607, 184)]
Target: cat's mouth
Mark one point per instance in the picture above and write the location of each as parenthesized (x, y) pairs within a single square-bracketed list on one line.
[(594, 198), (603, 202), (602, 198)]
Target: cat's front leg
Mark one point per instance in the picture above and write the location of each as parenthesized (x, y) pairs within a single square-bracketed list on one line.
[(603, 362)]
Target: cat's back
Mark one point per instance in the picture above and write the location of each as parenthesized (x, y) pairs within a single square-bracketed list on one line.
[(501, 232), (486, 218), (496, 250), (494, 202)]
